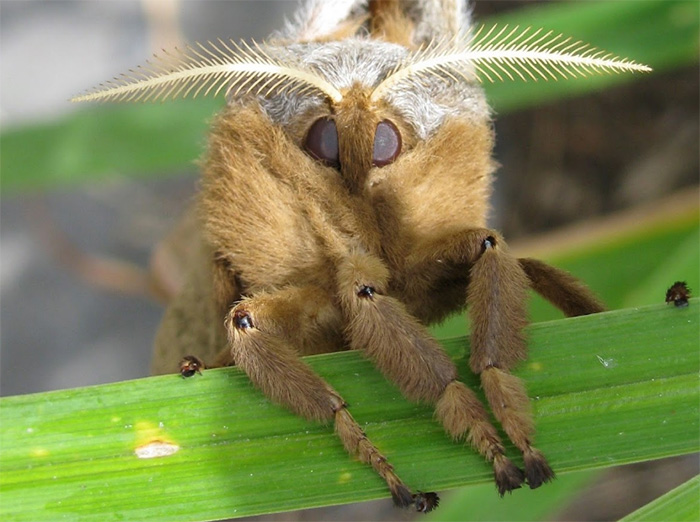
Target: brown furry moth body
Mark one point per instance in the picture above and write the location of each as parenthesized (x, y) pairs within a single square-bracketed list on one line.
[(343, 205)]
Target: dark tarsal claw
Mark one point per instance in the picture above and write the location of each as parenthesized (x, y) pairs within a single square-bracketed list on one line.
[(537, 470), (426, 502), (487, 243), (366, 292), (678, 294), (189, 365), (507, 475)]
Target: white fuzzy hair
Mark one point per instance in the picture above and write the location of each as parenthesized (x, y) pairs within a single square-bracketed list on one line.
[(424, 102), (316, 19)]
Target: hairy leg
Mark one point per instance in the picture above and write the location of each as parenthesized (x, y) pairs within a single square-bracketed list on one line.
[(405, 352), (497, 295), (497, 291), (259, 347), (266, 335), (562, 289)]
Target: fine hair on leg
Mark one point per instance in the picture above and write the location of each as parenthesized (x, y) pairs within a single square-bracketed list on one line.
[(497, 297), (560, 288), (406, 353), (276, 369)]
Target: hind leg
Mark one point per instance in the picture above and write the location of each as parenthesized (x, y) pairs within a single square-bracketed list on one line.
[(560, 288)]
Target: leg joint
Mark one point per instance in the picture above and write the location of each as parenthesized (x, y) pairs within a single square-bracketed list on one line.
[(488, 243), (366, 292), (239, 318)]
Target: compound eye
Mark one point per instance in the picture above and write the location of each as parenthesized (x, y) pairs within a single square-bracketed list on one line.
[(387, 144), (321, 142)]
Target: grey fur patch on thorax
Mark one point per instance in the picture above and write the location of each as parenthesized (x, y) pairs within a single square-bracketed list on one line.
[(423, 101)]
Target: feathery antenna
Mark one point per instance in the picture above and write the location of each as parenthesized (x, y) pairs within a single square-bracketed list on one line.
[(501, 53), (498, 53), (209, 69)]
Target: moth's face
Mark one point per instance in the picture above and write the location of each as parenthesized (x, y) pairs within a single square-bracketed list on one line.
[(358, 132)]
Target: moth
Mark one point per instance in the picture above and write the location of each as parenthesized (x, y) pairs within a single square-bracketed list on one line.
[(344, 204)]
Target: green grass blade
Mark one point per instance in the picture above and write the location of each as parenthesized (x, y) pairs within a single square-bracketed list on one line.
[(681, 504), (107, 141), (142, 140), (608, 389)]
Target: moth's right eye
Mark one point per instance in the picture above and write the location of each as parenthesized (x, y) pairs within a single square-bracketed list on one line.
[(321, 142)]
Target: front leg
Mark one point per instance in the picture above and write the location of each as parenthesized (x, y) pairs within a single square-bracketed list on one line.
[(262, 349), (496, 301), (496, 287), (266, 335), (405, 353), (302, 314)]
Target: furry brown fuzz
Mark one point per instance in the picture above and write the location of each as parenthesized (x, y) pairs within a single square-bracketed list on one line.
[(507, 475), (563, 290), (348, 211)]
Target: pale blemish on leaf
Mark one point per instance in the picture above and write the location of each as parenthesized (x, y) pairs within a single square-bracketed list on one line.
[(156, 449), (344, 478), (152, 441)]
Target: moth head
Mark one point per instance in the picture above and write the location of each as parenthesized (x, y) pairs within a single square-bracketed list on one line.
[(351, 129), (356, 135), (353, 100)]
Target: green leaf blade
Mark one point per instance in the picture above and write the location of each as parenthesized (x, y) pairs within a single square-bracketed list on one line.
[(70, 454), (681, 504)]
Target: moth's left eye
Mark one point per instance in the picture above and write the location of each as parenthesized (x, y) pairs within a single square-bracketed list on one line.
[(321, 142), (387, 144)]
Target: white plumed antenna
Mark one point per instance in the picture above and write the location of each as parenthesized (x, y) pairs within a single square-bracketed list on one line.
[(501, 53), (498, 53), (235, 69)]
